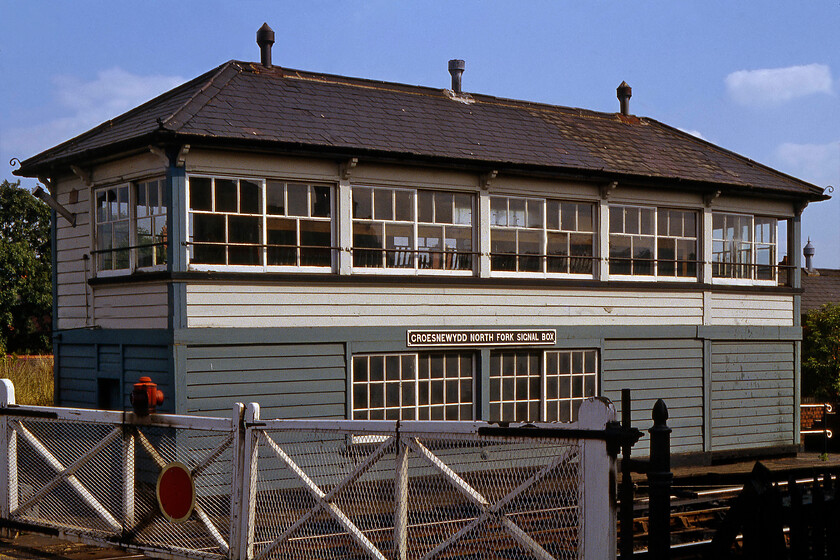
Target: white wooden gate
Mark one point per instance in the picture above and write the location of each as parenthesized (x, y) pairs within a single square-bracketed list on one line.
[(304, 489)]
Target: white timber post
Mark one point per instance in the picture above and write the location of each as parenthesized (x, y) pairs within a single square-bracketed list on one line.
[(237, 482), (344, 209), (8, 454), (599, 478), (401, 500), (483, 229), (248, 481), (129, 465), (603, 239)]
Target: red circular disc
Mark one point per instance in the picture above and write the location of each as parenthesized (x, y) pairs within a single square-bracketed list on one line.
[(176, 492)]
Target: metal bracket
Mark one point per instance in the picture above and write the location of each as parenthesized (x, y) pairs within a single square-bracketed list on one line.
[(708, 198), (607, 190), (346, 168), (487, 178), (800, 206)]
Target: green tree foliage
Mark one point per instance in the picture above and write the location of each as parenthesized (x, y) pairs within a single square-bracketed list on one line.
[(821, 353), (25, 260)]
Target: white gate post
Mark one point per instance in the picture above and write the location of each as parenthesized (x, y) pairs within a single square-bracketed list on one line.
[(599, 479), (248, 481), (401, 500), (236, 481), (8, 454)]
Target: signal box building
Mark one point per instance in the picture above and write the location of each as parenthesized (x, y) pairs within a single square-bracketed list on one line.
[(336, 247)]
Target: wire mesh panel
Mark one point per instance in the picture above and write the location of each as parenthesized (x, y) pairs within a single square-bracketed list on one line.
[(480, 497), (208, 456), (97, 480), (324, 494), (70, 476)]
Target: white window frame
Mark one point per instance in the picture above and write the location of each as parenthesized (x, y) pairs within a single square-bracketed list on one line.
[(752, 266), (264, 217), (544, 232), (415, 269), (132, 220), (655, 276), (544, 399), (416, 381)]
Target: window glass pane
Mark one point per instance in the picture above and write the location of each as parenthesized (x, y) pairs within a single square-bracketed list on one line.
[(585, 221), (404, 201), (498, 211), (631, 220), (568, 217), (367, 236), (101, 206), (558, 245), (225, 195), (244, 229), (425, 206), (250, 194), (122, 207), (458, 240), (383, 204), (503, 247), (144, 237), (140, 204), (529, 248), (430, 245), (321, 202), (443, 207), (643, 255), (282, 232), (400, 240), (535, 213), (275, 195), (463, 209), (552, 214), (312, 235), (297, 197), (666, 255), (616, 219), (516, 215), (361, 203), (620, 252)]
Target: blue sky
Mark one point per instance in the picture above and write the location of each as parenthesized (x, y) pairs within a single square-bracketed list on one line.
[(758, 78)]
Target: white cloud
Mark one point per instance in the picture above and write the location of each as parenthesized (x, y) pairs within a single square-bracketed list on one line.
[(695, 133), (85, 105), (772, 86), (815, 163)]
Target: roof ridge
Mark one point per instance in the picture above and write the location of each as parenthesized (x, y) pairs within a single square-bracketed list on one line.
[(736, 156), (200, 98), (384, 85)]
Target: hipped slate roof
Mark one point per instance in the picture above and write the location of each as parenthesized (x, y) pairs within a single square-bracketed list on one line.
[(247, 104)]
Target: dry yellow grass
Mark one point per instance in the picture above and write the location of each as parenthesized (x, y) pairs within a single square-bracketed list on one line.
[(32, 377)]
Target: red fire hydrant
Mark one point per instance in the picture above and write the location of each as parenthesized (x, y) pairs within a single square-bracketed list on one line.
[(145, 397)]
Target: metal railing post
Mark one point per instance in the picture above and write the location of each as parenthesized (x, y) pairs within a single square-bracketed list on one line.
[(401, 500), (626, 492), (599, 476), (8, 454), (660, 479), (129, 466), (248, 481), (237, 480)]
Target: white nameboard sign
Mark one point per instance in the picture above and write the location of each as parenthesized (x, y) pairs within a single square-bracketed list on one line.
[(503, 337)]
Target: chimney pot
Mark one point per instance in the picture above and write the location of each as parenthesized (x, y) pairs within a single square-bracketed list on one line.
[(265, 38), (624, 92), (456, 69)]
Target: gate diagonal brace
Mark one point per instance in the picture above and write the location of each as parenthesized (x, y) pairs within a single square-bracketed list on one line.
[(199, 511), (487, 509), (67, 473), (323, 501)]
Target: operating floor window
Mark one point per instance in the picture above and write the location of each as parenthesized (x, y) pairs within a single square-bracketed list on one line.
[(541, 386), (422, 386)]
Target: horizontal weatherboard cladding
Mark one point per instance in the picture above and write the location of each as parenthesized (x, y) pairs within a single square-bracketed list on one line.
[(752, 393), (86, 356), (668, 369), (288, 380)]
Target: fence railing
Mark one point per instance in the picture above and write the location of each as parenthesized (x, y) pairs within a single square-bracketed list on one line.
[(256, 489)]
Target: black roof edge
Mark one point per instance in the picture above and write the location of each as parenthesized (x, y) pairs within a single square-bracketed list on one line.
[(738, 156)]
